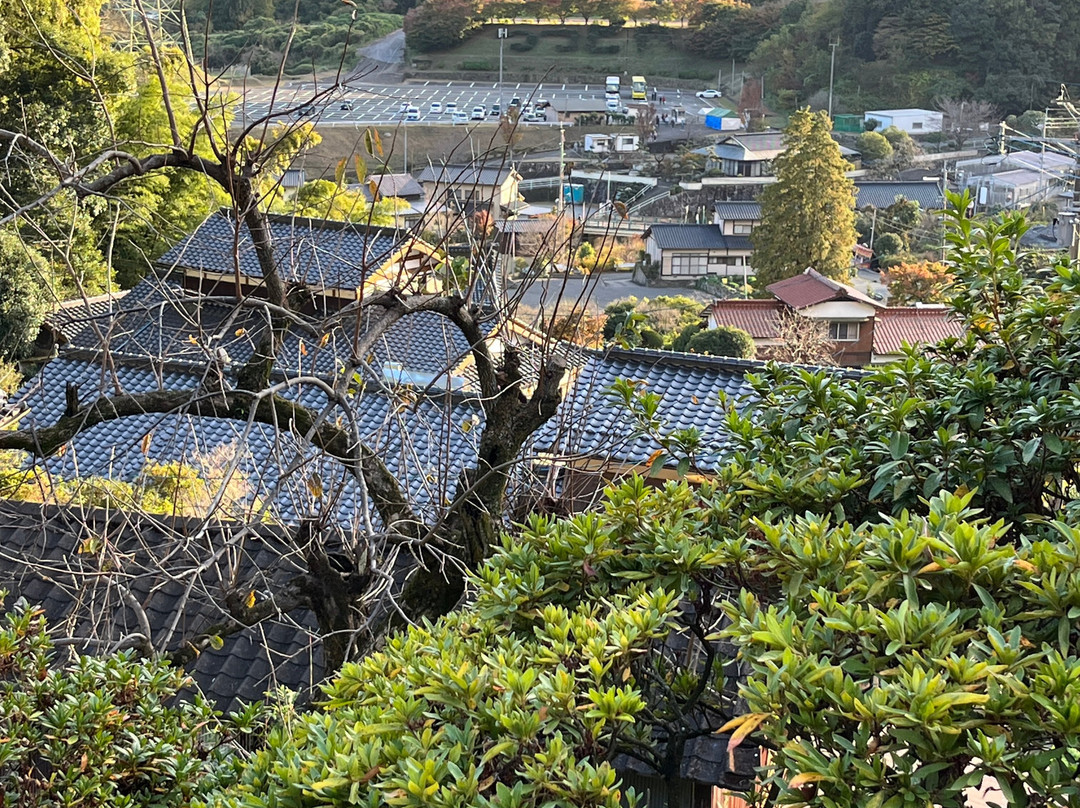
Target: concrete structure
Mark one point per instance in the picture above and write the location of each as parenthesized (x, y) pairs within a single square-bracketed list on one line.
[(912, 121), (606, 143)]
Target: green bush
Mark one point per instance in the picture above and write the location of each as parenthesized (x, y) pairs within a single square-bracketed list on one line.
[(682, 339), (723, 341), (651, 339), (476, 64)]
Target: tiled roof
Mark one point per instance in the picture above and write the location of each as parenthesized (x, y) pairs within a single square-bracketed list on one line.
[(402, 186), (473, 174), (914, 325), (694, 237), (41, 561), (591, 424), (738, 211), (317, 252), (882, 194), (756, 317), (811, 287)]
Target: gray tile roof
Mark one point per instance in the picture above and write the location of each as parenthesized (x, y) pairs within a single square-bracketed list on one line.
[(402, 186), (317, 252), (41, 562), (738, 211), (591, 424), (495, 174), (694, 237), (883, 194)]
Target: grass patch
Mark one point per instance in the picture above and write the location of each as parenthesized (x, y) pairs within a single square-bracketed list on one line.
[(579, 53)]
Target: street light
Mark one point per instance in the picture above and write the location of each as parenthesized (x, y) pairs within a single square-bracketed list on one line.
[(502, 36)]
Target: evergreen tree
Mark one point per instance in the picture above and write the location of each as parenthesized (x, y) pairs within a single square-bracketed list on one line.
[(807, 216)]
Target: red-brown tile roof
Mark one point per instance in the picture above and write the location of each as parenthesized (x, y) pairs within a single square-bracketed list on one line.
[(811, 288), (756, 317), (914, 325)]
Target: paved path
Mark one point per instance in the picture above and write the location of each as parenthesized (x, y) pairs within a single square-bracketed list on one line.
[(596, 291)]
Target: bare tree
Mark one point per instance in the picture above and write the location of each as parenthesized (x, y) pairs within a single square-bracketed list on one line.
[(964, 119), (354, 587), (802, 341)]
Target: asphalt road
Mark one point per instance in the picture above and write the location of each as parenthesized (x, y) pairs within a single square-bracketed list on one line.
[(595, 292)]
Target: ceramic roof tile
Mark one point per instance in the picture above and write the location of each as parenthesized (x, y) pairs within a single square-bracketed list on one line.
[(758, 318), (872, 194), (915, 325), (591, 424), (810, 287), (317, 252)]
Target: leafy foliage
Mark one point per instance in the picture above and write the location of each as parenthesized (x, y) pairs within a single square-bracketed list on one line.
[(440, 24), (807, 217), (922, 282), (874, 147), (722, 341), (24, 294), (104, 732)]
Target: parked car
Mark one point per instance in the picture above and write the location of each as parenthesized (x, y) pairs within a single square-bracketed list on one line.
[(305, 110), (496, 110), (534, 117), (709, 94), (435, 108), (404, 107), (450, 108), (412, 114), (613, 104), (347, 105), (478, 113), (515, 102), (459, 117), (541, 103)]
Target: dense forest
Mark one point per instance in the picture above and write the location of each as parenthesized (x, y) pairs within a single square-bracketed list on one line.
[(255, 32), (895, 53)]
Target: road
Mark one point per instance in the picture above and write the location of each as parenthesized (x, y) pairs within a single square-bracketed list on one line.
[(596, 291)]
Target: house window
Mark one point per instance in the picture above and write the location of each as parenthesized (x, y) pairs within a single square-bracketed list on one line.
[(843, 332), (743, 229), (916, 124), (690, 264), (716, 259)]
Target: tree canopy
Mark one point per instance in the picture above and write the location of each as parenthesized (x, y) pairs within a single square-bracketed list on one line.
[(807, 215)]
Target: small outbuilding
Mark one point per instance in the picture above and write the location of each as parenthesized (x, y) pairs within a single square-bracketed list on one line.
[(724, 120), (912, 121)]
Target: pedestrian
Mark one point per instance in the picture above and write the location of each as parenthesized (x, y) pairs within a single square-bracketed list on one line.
[(661, 99)]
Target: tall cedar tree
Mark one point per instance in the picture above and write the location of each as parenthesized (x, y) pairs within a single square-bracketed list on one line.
[(807, 216)]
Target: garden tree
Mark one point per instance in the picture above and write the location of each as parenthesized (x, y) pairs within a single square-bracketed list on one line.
[(874, 147), (440, 24), (987, 413), (681, 341), (664, 314), (25, 297), (1030, 122), (965, 118), (107, 731), (904, 148), (446, 543), (807, 217), (919, 282), (524, 696), (722, 341), (887, 245), (802, 341)]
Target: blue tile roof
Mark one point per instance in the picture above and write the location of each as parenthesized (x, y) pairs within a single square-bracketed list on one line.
[(317, 252), (694, 237), (591, 424)]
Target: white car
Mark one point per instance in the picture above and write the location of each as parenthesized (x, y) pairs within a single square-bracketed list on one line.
[(412, 114), (450, 108), (459, 117), (613, 104), (709, 94), (478, 113), (435, 108)]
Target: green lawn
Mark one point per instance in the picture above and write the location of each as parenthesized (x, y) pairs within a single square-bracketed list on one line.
[(576, 53)]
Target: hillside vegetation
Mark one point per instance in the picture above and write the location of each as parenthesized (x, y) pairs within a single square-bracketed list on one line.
[(256, 33), (891, 52)]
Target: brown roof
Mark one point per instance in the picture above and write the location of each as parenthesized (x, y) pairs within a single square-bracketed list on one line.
[(811, 288), (913, 325), (758, 318)]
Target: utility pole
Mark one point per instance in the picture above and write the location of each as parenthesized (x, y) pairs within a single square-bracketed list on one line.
[(560, 198), (832, 66), (502, 38)]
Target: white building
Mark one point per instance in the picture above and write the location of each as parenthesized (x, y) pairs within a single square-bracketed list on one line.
[(912, 121)]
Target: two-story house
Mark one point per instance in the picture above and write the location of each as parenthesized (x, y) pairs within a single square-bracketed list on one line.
[(750, 154), (862, 330)]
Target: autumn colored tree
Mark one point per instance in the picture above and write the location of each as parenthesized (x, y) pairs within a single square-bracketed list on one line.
[(807, 215), (922, 282)]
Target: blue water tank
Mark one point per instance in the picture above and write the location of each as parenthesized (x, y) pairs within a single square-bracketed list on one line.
[(573, 193)]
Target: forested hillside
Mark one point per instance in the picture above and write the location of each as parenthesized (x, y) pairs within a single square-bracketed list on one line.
[(257, 31), (1013, 53)]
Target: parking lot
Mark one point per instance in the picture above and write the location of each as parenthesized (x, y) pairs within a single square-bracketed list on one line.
[(381, 104)]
